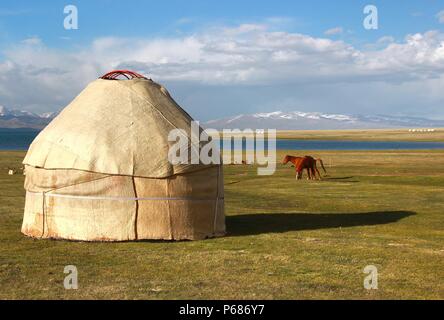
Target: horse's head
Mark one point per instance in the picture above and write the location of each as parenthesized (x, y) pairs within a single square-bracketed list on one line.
[(286, 159)]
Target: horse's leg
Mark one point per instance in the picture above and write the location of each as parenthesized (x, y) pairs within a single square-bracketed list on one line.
[(319, 174), (313, 174), (308, 174), (299, 175)]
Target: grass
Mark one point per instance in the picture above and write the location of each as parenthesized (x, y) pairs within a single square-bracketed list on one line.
[(363, 135), (286, 239)]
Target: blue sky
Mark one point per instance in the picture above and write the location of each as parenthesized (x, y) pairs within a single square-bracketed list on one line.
[(211, 54), (142, 18)]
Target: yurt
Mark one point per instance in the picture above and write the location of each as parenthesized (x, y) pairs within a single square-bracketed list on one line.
[(100, 170)]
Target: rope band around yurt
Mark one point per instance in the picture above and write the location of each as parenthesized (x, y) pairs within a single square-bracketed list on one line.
[(57, 195)]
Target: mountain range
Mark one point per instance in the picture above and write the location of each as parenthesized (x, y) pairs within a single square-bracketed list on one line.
[(12, 118), (292, 120), (297, 120)]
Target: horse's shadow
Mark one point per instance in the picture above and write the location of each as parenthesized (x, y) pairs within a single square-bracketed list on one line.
[(337, 178), (254, 224)]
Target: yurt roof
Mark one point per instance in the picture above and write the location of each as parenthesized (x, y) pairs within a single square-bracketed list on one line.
[(116, 127)]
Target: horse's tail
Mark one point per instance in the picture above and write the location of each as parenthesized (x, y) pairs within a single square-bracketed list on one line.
[(322, 164)]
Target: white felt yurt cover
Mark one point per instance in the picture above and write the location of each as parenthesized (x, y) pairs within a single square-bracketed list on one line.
[(100, 170)]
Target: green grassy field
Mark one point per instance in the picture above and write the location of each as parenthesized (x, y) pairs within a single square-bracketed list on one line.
[(286, 239), (363, 135)]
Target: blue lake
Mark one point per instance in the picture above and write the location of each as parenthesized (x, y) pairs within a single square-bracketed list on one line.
[(16, 139), (20, 139), (291, 144)]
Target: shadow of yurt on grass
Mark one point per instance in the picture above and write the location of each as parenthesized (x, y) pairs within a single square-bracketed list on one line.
[(100, 171)]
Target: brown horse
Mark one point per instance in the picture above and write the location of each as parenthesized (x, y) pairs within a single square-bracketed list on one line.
[(308, 163)]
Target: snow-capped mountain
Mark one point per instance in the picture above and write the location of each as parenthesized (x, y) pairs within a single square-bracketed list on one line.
[(48, 115), (292, 120), (12, 118), (297, 120)]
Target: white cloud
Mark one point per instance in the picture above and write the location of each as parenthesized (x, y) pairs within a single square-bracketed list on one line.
[(334, 31), (245, 58), (386, 39), (250, 54), (33, 41), (440, 16), (184, 20), (417, 14)]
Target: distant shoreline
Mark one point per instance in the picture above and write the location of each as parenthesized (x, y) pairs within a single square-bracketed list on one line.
[(19, 129), (19, 139), (364, 135)]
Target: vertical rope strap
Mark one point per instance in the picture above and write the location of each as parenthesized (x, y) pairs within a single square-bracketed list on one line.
[(169, 209), (43, 213), (137, 209), (217, 201)]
